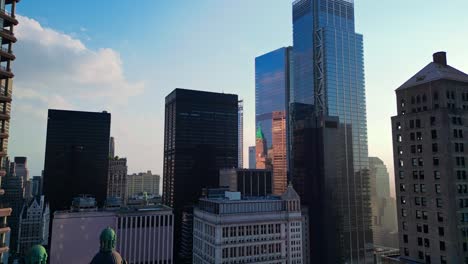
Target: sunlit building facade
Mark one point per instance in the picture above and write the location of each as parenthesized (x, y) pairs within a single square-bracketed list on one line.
[(279, 158), (328, 78)]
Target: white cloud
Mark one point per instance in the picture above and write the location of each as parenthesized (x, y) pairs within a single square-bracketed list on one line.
[(57, 64)]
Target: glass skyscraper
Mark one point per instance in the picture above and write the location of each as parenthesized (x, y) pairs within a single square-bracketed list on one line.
[(272, 85), (329, 78)]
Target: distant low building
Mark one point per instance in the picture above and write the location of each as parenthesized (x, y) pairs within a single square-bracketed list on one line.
[(33, 225), (254, 230), (145, 233), (143, 182)]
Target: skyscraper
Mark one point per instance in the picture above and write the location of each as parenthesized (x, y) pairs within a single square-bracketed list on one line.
[(143, 182), (240, 131), (8, 21), (384, 223), (76, 157), (36, 186), (21, 168), (252, 157), (273, 80), (429, 139), (117, 179), (200, 137), (329, 78), (262, 161), (279, 158)]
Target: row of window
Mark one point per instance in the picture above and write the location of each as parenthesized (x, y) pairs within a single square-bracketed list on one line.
[(249, 230), (246, 251)]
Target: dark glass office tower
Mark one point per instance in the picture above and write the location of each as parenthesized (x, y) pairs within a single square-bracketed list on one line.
[(76, 157), (329, 77), (200, 138)]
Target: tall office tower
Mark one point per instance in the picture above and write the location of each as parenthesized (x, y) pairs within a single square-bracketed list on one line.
[(279, 159), (252, 157), (144, 234), (273, 81), (240, 131), (262, 160), (8, 21), (201, 127), (13, 198), (21, 168), (112, 147), (76, 157), (429, 139), (117, 178), (36, 186), (254, 230), (249, 182), (329, 77), (384, 222), (33, 225), (143, 182)]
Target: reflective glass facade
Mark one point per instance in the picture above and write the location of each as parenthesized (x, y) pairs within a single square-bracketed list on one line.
[(272, 83), (329, 76)]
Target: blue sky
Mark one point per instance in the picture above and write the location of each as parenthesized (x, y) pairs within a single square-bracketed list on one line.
[(134, 53)]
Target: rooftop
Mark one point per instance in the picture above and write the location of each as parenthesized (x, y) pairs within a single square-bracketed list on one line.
[(436, 70)]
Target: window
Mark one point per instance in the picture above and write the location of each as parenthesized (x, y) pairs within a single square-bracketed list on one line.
[(427, 243), (406, 251), (442, 245), (401, 174), (434, 134), (441, 231), (420, 162), (419, 148), (418, 123), (426, 229), (435, 147), (413, 149), (404, 213), (405, 238), (419, 136), (403, 200), (419, 228), (399, 138), (412, 137), (420, 241), (418, 214), (414, 161), (440, 217), (425, 215), (439, 202), (417, 200), (423, 201), (443, 260), (436, 175), (423, 188), (415, 175), (437, 188), (433, 120), (421, 175), (411, 123), (402, 187), (400, 163), (398, 126), (435, 161), (417, 188), (404, 225)]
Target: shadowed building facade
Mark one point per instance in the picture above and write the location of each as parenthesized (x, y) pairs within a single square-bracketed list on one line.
[(8, 21), (431, 182), (76, 157), (200, 138), (328, 68)]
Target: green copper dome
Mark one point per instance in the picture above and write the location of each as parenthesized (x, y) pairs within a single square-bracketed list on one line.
[(260, 133), (108, 239), (36, 255)]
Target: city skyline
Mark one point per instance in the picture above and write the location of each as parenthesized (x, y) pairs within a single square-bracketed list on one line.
[(230, 66)]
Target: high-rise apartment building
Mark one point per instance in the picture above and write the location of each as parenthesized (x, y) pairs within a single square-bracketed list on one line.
[(117, 178), (385, 229), (200, 138), (328, 78), (8, 21), (13, 198), (249, 182), (33, 225), (143, 182), (252, 157), (145, 234), (429, 139), (240, 132), (76, 157), (254, 230)]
